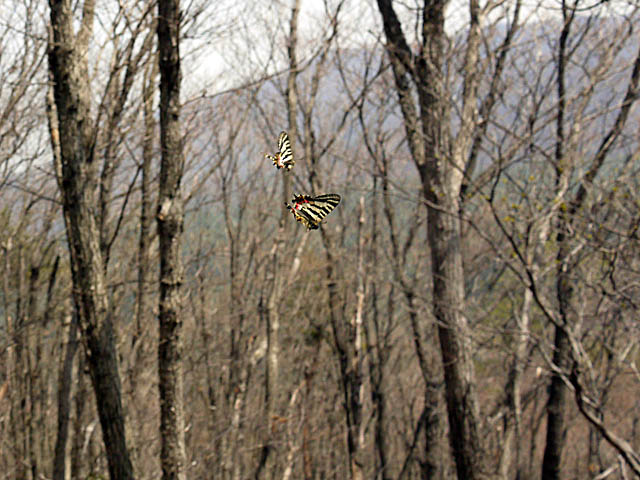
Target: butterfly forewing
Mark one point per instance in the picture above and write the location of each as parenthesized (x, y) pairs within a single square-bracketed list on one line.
[(286, 155)]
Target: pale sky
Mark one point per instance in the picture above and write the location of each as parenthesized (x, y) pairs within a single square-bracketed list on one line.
[(251, 34)]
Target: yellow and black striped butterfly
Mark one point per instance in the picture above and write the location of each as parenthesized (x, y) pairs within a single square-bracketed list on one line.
[(310, 210), (283, 158)]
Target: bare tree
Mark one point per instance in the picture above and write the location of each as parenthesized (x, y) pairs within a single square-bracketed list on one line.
[(72, 136), (170, 225), (440, 160), (64, 399), (560, 166), (27, 199), (274, 274), (567, 260)]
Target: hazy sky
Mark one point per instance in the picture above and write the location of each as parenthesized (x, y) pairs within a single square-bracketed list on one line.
[(249, 38), (242, 39)]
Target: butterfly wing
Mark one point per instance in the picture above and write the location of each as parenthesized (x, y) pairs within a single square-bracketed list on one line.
[(286, 155), (297, 210), (310, 211)]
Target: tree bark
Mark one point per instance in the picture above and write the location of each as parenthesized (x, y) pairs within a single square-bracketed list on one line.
[(170, 219), (454, 334), (64, 402), (77, 180), (440, 169), (79, 458)]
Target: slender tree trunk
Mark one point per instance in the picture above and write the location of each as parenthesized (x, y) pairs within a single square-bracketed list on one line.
[(170, 220), (65, 382), (274, 278), (77, 176), (559, 394), (378, 352), (231, 464), (357, 357), (346, 339), (310, 370), (513, 426), (12, 363), (79, 457), (568, 322), (440, 168), (557, 410), (454, 335), (434, 457), (21, 398), (146, 218), (142, 344), (32, 354)]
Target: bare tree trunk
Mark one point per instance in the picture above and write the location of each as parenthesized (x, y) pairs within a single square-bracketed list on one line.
[(21, 350), (32, 373), (65, 379), (435, 454), (377, 356), (238, 408), (511, 450), (170, 220), (11, 364), (454, 334), (559, 394), (347, 331), (18, 392), (440, 169), (141, 360), (274, 278), (357, 360), (146, 214), (568, 321), (65, 382), (79, 458), (77, 177)]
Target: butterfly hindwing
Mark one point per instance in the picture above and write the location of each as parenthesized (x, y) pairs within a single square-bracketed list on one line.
[(310, 211), (284, 157)]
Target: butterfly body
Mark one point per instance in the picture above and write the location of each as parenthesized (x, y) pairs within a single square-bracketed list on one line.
[(310, 211), (284, 157)]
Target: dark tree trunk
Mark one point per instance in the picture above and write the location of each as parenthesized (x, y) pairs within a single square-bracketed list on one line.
[(170, 226), (64, 403), (453, 332), (79, 459), (77, 179), (568, 321), (556, 409), (440, 160)]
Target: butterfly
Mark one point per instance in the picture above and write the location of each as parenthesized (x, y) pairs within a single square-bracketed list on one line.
[(310, 210), (283, 158)]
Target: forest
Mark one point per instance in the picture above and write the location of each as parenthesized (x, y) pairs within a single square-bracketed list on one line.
[(465, 311)]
